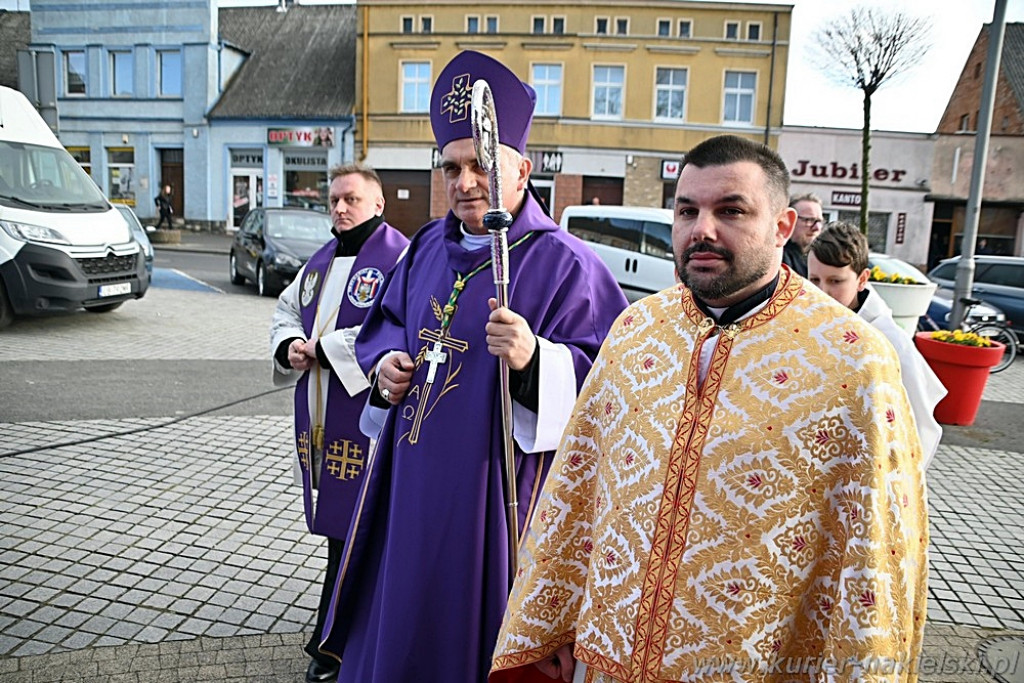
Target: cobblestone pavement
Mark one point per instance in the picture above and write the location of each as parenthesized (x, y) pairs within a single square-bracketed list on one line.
[(174, 550)]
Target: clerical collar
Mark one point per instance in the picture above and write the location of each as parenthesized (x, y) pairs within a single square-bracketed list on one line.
[(733, 313), (351, 241), (472, 242)]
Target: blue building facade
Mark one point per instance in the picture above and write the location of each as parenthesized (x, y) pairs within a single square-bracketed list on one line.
[(154, 93)]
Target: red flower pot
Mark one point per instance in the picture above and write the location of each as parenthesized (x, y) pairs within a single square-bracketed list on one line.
[(963, 370)]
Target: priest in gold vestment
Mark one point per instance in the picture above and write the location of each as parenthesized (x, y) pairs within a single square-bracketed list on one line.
[(739, 494)]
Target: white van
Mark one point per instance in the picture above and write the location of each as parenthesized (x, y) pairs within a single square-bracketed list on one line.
[(62, 245), (635, 242)]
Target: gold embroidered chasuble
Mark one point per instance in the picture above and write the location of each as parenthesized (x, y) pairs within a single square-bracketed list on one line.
[(768, 524)]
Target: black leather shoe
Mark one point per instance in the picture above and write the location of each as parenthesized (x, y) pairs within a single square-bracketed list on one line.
[(319, 672)]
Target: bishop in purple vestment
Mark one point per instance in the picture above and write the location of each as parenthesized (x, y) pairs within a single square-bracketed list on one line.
[(425, 570)]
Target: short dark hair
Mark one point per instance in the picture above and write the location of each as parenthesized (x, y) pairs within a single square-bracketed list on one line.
[(350, 169), (730, 149), (841, 244)]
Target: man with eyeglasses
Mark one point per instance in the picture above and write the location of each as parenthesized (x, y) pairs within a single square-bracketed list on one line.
[(809, 220)]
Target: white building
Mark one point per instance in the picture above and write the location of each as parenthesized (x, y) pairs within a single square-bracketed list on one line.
[(827, 162)]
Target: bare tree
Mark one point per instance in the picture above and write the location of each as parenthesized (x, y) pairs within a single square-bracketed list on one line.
[(866, 48)]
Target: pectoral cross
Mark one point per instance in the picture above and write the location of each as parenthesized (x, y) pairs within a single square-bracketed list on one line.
[(434, 356)]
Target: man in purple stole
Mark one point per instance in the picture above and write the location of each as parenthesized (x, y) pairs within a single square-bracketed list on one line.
[(312, 339), (425, 571)]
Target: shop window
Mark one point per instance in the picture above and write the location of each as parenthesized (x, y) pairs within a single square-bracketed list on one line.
[(121, 175), (83, 156), (305, 181)]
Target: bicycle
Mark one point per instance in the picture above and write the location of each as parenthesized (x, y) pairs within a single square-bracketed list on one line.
[(995, 330)]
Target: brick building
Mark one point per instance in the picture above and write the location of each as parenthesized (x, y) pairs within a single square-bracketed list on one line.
[(1001, 221)]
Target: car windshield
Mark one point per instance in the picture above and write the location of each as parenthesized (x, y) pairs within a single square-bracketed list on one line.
[(890, 265), (46, 178), (310, 227)]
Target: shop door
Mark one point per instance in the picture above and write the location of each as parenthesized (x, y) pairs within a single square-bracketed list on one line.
[(172, 172), (247, 194)]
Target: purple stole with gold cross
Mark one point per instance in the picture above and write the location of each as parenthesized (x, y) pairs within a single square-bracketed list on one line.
[(344, 447)]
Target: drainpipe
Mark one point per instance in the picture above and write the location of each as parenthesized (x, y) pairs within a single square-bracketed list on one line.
[(771, 75), (365, 90)]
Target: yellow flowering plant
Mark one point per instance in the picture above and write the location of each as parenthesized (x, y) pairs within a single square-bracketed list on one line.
[(879, 275), (961, 337)]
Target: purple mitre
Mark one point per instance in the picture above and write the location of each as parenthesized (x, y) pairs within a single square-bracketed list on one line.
[(453, 92)]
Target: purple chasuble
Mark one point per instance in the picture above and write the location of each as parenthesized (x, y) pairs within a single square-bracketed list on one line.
[(345, 447), (426, 581)]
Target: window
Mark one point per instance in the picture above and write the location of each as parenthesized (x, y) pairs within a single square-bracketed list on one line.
[(407, 24), (753, 31), (621, 26), (538, 25), (547, 82), (472, 24), (74, 72), (739, 97), (83, 155), (732, 30), (415, 87), (670, 94), (169, 64), (120, 175), (685, 28), (492, 24), (601, 25), (658, 240), (426, 24), (122, 73), (977, 71), (558, 25), (965, 122), (608, 82), (664, 27)]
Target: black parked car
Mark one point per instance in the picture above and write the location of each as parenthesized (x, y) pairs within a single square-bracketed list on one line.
[(274, 243), (998, 281)]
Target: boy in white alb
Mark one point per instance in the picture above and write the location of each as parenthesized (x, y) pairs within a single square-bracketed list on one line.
[(838, 265)]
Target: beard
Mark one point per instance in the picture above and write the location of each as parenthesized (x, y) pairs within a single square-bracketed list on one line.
[(709, 286)]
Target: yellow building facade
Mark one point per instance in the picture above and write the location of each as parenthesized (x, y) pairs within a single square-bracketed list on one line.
[(624, 88)]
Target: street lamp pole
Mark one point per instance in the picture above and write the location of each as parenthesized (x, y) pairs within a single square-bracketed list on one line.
[(965, 268)]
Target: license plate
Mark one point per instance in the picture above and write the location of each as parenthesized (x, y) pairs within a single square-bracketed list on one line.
[(114, 290)]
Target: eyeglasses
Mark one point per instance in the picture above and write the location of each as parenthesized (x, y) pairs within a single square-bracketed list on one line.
[(811, 221)]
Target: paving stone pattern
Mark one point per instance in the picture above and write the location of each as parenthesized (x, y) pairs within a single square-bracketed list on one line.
[(174, 549)]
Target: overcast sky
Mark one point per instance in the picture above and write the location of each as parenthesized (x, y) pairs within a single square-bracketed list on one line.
[(913, 103)]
